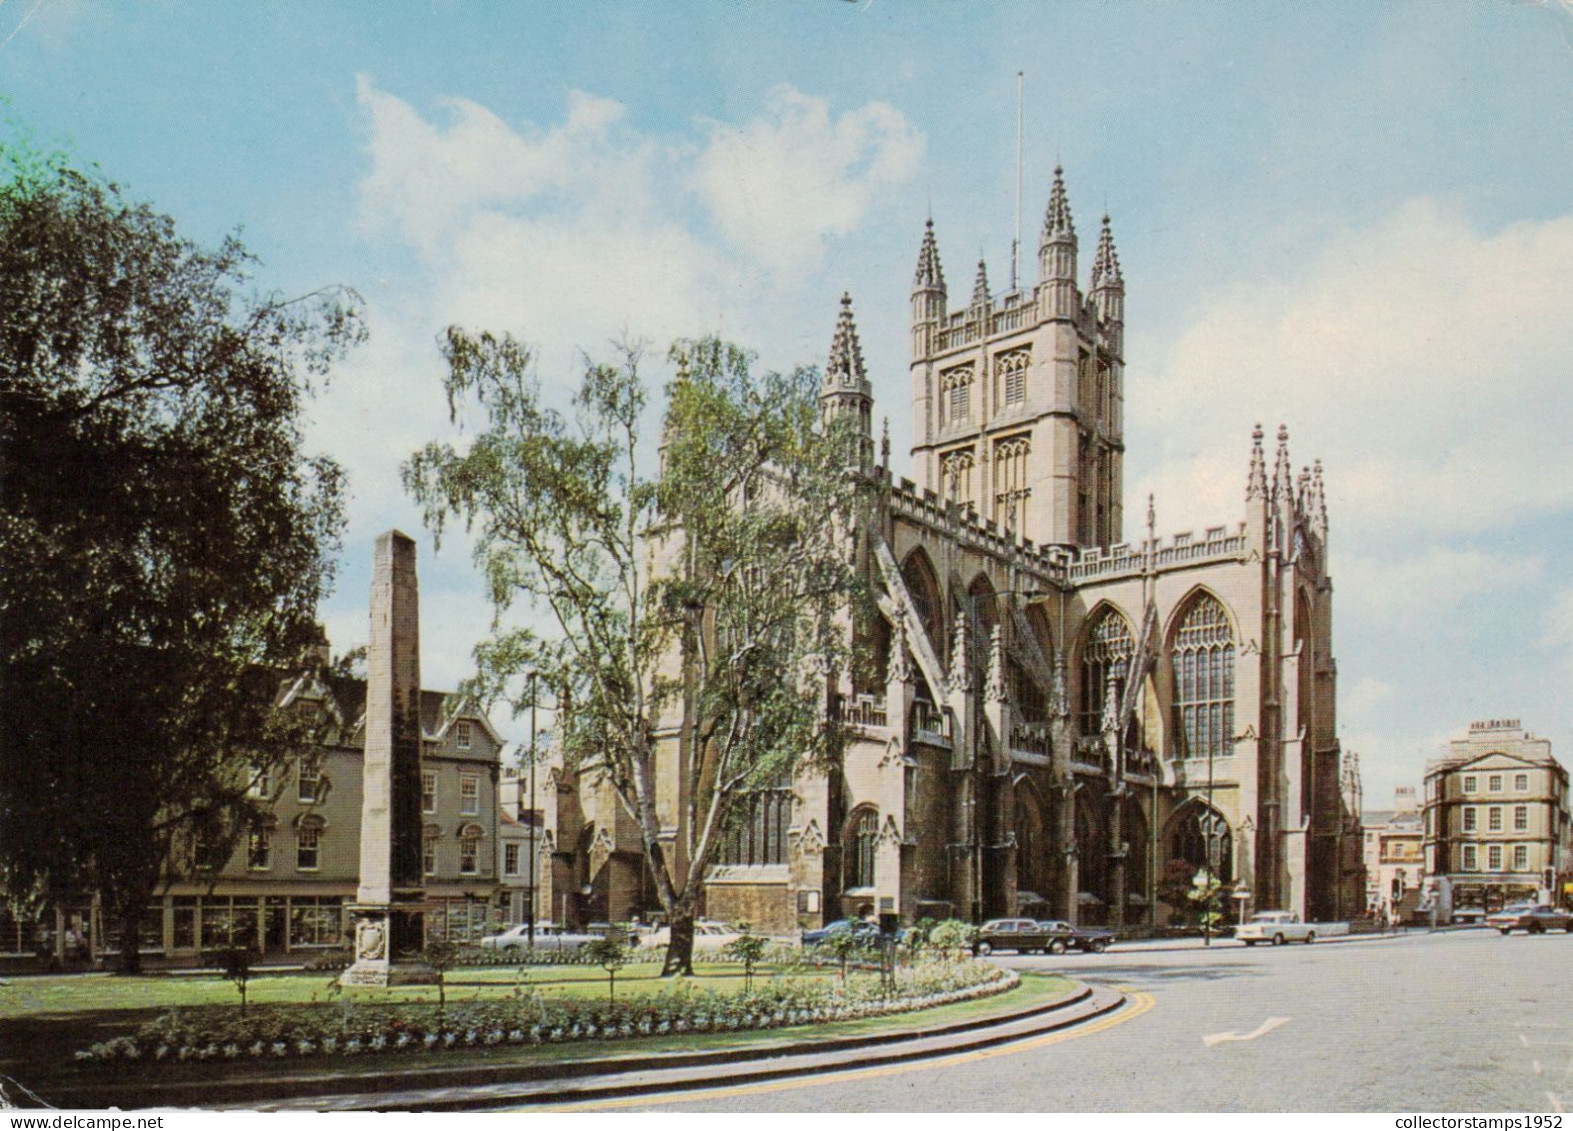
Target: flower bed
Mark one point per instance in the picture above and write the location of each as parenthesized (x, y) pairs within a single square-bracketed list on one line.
[(346, 1029)]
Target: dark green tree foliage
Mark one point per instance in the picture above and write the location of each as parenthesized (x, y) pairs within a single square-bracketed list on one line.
[(610, 955), (163, 537), (723, 582)]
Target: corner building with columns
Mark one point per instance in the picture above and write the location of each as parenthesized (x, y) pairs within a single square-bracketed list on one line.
[(1066, 717)]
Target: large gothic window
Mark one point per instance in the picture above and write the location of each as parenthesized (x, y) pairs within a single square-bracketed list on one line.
[(1010, 480), (1010, 371), (1105, 656), (1200, 836), (955, 472), (1203, 659), (757, 828), (862, 848), (955, 401)]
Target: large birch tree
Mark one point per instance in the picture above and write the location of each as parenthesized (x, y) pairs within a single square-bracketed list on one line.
[(708, 595)]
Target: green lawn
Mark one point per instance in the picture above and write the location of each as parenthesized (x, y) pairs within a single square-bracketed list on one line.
[(59, 995), (37, 1048)]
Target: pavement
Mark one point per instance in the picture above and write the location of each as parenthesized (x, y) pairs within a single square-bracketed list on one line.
[(1451, 1021)]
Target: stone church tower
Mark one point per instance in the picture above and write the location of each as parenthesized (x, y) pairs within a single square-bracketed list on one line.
[(1064, 719), (1018, 399)]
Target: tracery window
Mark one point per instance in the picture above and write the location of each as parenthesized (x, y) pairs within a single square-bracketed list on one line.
[(955, 388), (757, 828), (1105, 656), (1202, 838), (955, 470), (1010, 372), (862, 851), (1010, 480), (1203, 659)]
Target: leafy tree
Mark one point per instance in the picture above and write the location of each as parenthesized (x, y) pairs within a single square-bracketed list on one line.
[(1206, 890), (842, 943), (163, 536), (610, 955), (713, 590), (748, 948), (441, 954), (954, 937), (236, 965)]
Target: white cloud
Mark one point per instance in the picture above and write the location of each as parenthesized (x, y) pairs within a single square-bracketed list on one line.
[(780, 186), (570, 234), (1424, 589), (1426, 362)]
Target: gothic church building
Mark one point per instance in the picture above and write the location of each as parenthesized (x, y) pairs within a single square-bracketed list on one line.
[(1067, 717)]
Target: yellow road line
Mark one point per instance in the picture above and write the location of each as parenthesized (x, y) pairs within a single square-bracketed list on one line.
[(1139, 1004)]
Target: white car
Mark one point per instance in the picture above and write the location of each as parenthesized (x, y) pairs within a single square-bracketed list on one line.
[(1276, 927), (548, 936), (709, 934)]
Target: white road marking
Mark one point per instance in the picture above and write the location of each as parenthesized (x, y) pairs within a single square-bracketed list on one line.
[(1538, 1069), (1555, 1103), (1265, 1027)]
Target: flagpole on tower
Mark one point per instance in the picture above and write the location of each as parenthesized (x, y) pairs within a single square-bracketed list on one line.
[(1015, 247)]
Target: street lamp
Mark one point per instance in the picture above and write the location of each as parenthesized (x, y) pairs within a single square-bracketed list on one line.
[(1242, 896)]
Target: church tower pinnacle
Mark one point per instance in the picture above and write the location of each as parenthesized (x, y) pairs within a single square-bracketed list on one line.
[(846, 388), (928, 296), (1108, 285), (1018, 397), (1057, 253)]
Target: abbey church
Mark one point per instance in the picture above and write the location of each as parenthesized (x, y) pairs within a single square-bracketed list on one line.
[(1069, 716)]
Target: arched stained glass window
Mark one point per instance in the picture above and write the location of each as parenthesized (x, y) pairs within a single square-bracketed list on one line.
[(1105, 656), (1203, 659), (1202, 838), (864, 847)]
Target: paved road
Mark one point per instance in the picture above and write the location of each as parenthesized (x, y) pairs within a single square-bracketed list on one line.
[(1463, 1021)]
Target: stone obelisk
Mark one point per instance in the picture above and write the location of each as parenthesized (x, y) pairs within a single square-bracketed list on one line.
[(390, 907)]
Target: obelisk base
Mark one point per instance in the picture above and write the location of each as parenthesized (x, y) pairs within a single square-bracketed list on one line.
[(388, 942)]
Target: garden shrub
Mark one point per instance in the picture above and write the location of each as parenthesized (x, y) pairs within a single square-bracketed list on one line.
[(526, 1018)]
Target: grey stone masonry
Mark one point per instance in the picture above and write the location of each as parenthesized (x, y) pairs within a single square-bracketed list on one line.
[(389, 912)]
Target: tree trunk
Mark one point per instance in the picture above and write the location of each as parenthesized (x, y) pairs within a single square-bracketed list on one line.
[(130, 960), (680, 949)]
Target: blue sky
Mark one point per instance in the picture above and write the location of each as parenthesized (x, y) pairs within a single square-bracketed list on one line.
[(1351, 218)]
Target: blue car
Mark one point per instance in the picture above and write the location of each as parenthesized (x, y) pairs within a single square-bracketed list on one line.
[(865, 932)]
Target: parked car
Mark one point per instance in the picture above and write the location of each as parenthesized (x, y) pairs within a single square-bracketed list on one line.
[(548, 936), (709, 934), (1024, 936), (865, 932), (1532, 918), (1469, 915), (1093, 939), (1276, 927)]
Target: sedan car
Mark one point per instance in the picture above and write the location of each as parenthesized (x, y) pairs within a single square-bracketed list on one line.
[(1093, 939), (548, 936), (863, 931), (1532, 918), (1023, 936), (709, 934)]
